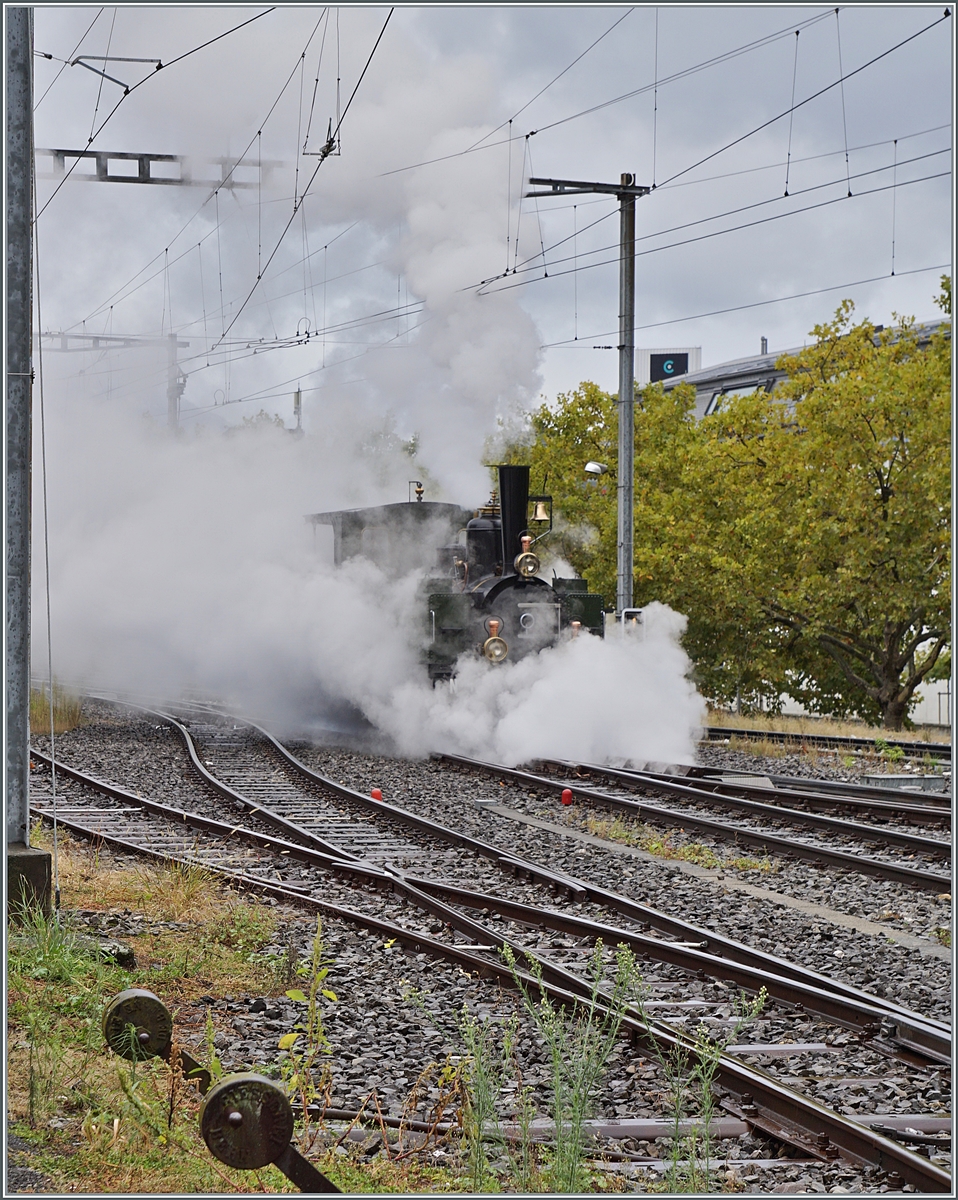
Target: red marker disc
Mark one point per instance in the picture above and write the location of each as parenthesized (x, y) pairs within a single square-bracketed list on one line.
[(567, 795), (376, 794)]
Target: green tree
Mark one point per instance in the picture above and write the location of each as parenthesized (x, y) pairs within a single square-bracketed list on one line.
[(859, 493), (805, 534)]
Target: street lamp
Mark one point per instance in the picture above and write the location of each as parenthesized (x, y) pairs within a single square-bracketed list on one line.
[(595, 468)]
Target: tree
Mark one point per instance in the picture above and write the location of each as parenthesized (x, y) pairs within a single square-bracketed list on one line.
[(860, 481), (805, 534)]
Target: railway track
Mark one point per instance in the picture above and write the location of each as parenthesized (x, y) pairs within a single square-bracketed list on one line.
[(268, 783), (695, 813), (935, 750), (848, 799)]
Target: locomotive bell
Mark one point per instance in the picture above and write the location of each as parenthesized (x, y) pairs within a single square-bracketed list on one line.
[(541, 511)]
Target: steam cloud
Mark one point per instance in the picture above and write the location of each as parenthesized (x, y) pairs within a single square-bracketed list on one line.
[(185, 564)]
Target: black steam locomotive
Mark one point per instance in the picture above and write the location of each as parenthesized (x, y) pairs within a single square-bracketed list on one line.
[(485, 593)]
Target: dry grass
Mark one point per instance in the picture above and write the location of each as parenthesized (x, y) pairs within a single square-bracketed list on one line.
[(96, 1124), (66, 710), (819, 727), (618, 829), (760, 747)]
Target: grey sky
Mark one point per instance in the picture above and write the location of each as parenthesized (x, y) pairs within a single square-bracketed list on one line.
[(442, 79)]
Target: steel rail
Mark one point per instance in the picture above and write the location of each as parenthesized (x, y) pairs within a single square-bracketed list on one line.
[(927, 1041), (724, 795), (580, 890), (913, 1030), (912, 749), (728, 960), (928, 880), (781, 1113), (391, 813), (894, 804), (922, 800)]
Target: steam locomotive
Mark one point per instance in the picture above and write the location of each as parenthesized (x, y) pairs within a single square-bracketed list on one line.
[(483, 592)]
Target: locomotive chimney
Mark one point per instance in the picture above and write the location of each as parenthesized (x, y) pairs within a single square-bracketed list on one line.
[(513, 506)]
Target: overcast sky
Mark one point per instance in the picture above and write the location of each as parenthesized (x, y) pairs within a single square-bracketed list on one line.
[(381, 263)]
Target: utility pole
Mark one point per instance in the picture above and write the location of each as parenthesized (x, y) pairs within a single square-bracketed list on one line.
[(626, 190), (626, 476), (85, 342), (175, 383), (28, 870)]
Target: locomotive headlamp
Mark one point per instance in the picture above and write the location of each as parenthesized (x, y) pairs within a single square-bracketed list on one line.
[(494, 648), (526, 564)]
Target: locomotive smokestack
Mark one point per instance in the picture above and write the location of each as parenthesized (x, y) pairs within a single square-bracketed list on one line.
[(513, 506)]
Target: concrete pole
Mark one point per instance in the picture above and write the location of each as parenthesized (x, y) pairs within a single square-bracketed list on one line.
[(19, 97), (624, 490), (28, 870)]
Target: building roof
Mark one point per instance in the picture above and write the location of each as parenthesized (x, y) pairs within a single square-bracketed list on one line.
[(755, 371)]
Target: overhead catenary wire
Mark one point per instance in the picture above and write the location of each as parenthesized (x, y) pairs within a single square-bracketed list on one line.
[(655, 95), (320, 162), (319, 66), (567, 343), (791, 116), (484, 290), (129, 92), (530, 264), (99, 90), (726, 175), (555, 79), (66, 61), (808, 99), (894, 198), (678, 75), (841, 75)]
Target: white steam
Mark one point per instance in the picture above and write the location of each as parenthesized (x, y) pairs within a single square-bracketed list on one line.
[(618, 699), (184, 564)]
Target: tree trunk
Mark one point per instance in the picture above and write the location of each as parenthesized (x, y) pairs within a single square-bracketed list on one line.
[(893, 716)]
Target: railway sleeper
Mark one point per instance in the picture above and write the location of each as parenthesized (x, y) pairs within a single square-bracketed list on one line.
[(781, 1113)]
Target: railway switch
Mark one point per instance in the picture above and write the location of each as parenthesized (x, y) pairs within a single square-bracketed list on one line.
[(137, 1025), (246, 1121)]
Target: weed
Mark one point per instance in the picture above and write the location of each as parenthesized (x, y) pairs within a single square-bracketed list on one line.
[(849, 761), (690, 1071), (579, 1044), (759, 747), (243, 928), (693, 852), (891, 754), (749, 864), (306, 1070), (66, 710), (488, 1063), (178, 891), (943, 935), (618, 830)]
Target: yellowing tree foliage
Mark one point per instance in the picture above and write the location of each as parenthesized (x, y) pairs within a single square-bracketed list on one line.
[(805, 534)]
